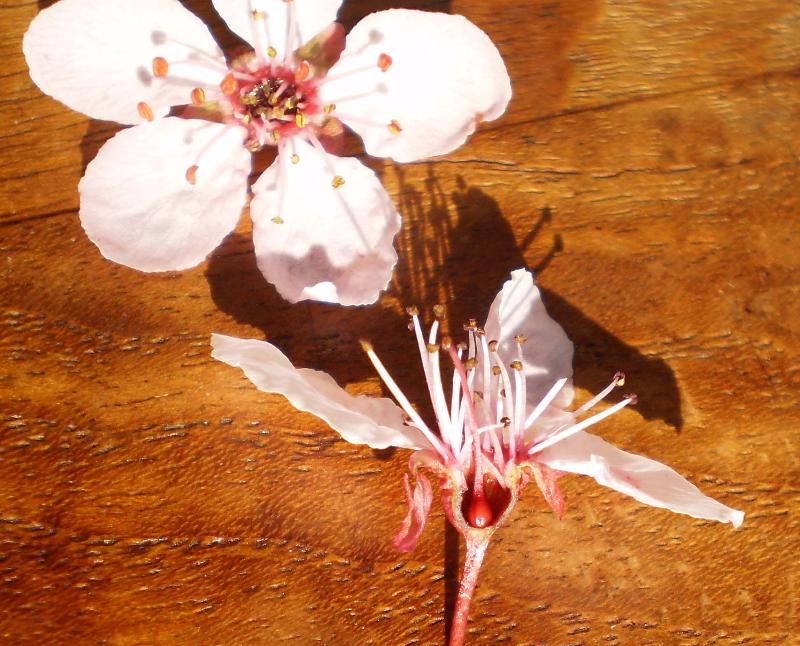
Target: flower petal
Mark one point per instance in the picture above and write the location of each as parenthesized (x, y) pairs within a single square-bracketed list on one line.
[(264, 23), (138, 206), (376, 422), (316, 241), (96, 56), (419, 506), (432, 74), (644, 479), (547, 353)]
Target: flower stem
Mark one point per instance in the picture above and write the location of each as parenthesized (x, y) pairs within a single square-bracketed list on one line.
[(476, 549)]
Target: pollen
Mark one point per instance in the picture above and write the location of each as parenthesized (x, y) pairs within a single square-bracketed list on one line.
[(619, 379), (277, 219), (191, 174), (198, 96), (329, 108), (394, 127), (299, 119), (145, 111), (272, 52), (160, 67), (228, 85), (384, 62), (337, 181), (295, 158)]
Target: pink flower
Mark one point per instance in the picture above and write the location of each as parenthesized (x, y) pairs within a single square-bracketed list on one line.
[(161, 195), (504, 422)]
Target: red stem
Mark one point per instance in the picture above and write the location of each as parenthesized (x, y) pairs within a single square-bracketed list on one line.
[(476, 549)]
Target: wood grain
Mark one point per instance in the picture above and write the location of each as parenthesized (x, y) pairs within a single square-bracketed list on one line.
[(647, 168)]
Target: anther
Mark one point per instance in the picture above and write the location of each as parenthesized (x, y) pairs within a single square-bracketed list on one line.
[(337, 181), (272, 52), (145, 111), (520, 339), (384, 62), (256, 14), (438, 311), (472, 324), (470, 363), (303, 71), (275, 136), (433, 348), (496, 370), (446, 342), (619, 379), (633, 397), (492, 346), (505, 421), (480, 331), (412, 310), (160, 67), (295, 158), (191, 174), (462, 346), (228, 84), (277, 219), (394, 127), (300, 120), (366, 345), (516, 365), (198, 96), (329, 108)]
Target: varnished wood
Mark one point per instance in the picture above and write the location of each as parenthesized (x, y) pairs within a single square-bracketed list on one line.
[(647, 167)]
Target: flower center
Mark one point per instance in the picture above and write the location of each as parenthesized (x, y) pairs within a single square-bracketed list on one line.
[(271, 100)]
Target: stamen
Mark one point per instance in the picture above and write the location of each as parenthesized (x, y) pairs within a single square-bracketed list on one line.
[(277, 219), (228, 84), (300, 120), (303, 71), (384, 62), (145, 111), (191, 174), (295, 158), (589, 421), (618, 380), (329, 108), (337, 181), (160, 67), (198, 96), (394, 127), (272, 52), (467, 399), (403, 401)]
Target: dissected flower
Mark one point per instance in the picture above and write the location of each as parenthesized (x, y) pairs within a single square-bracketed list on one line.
[(161, 195), (503, 423)]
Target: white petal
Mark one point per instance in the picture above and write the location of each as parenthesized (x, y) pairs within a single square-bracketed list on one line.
[(270, 28), (96, 56), (445, 77), (138, 207), (547, 354), (644, 479), (314, 241), (376, 422)]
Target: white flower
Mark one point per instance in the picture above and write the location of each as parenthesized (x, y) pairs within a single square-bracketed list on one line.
[(504, 422), (161, 195)]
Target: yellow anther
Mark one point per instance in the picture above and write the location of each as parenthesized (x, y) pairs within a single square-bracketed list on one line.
[(394, 127), (516, 365), (433, 348), (438, 311), (256, 14), (446, 342), (337, 181), (413, 310), (277, 219), (329, 108), (275, 136), (299, 119), (496, 370), (272, 52), (470, 363), (295, 158), (520, 339), (366, 345)]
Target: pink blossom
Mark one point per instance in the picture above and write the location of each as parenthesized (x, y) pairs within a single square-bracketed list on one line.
[(162, 195), (505, 421)]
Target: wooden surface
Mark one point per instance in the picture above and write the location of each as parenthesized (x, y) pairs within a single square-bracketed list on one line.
[(647, 167)]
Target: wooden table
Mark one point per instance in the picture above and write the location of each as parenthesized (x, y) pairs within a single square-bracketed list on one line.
[(647, 168)]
